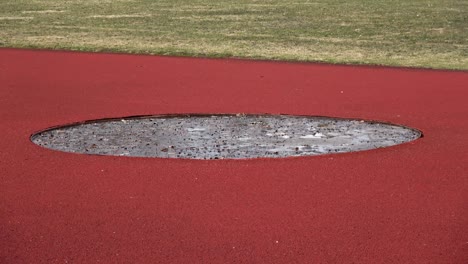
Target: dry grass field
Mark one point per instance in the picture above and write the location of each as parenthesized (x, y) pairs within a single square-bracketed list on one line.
[(418, 33)]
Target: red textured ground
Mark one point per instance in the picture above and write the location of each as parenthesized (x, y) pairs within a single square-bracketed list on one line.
[(403, 204)]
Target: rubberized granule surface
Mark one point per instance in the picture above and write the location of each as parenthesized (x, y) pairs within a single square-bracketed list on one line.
[(401, 204)]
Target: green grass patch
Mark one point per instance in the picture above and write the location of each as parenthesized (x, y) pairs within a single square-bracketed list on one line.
[(418, 33)]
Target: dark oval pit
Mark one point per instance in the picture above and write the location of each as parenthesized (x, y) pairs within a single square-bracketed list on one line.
[(223, 136)]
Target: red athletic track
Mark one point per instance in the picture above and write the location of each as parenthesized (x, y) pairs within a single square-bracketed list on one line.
[(403, 204)]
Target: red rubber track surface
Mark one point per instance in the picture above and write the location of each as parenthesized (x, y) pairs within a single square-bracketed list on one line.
[(402, 204)]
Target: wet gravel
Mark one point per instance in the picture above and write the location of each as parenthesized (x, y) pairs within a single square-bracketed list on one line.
[(223, 136)]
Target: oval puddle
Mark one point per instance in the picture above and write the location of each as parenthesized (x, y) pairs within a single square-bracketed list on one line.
[(223, 136)]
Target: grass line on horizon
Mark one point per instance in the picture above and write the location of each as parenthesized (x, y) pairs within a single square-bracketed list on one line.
[(420, 33)]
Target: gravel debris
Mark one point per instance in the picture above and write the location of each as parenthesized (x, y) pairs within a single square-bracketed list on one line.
[(223, 136)]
